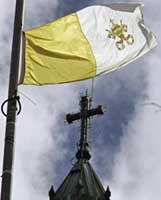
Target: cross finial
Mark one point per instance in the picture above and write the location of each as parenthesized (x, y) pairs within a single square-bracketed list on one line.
[(84, 115)]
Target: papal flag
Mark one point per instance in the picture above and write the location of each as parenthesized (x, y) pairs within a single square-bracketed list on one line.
[(95, 40)]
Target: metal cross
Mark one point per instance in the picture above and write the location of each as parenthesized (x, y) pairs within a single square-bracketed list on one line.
[(84, 114)]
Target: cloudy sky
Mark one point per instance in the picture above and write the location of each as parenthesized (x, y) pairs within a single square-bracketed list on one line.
[(125, 142)]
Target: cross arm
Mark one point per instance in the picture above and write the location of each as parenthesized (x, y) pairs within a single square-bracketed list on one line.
[(72, 117), (95, 111)]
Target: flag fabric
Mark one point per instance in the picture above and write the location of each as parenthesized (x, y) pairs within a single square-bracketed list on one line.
[(95, 40)]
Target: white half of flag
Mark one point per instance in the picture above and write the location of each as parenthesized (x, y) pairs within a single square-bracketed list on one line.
[(117, 34)]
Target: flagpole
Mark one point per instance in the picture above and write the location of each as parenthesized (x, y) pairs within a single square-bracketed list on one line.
[(11, 108)]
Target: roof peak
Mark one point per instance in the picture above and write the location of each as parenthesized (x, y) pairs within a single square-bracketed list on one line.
[(81, 183)]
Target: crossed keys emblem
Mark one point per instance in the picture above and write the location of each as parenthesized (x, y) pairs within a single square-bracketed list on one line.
[(118, 31)]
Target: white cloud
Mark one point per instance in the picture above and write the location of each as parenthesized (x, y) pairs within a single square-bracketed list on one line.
[(39, 141), (136, 172)]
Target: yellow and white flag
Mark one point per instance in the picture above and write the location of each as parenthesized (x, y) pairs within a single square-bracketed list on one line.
[(95, 40)]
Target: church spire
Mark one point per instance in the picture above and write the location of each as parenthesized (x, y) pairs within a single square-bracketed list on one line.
[(85, 113), (82, 183)]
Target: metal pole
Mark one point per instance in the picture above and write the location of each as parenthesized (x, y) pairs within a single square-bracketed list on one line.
[(11, 109), (84, 110)]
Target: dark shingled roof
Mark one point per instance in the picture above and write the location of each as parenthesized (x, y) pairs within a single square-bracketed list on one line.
[(81, 183)]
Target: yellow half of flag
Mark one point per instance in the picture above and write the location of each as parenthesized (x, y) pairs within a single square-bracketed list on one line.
[(57, 52)]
